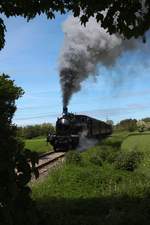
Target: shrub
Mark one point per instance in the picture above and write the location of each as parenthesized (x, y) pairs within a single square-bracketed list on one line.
[(128, 161), (111, 156), (73, 157), (107, 153), (96, 159), (114, 143), (16, 204), (104, 154)]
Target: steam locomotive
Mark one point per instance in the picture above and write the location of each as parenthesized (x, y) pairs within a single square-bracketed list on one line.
[(70, 127)]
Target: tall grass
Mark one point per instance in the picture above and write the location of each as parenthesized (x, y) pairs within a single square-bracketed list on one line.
[(90, 190)]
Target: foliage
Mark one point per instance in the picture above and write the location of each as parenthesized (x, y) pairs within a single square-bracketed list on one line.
[(139, 142), (88, 181), (33, 131), (73, 157), (2, 34), (111, 155), (96, 159), (129, 18), (96, 194), (113, 142), (110, 122), (67, 196), (16, 206), (146, 120), (127, 124), (107, 152), (143, 125), (128, 161)]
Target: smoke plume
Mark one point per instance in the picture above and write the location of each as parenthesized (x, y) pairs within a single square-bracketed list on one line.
[(84, 49), (85, 143)]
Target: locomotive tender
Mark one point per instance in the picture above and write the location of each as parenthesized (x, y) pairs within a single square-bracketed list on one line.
[(70, 127)]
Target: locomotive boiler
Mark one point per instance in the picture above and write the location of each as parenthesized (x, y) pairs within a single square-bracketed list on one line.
[(70, 127)]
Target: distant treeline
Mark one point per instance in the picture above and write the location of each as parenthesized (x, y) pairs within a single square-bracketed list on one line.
[(147, 119), (133, 124), (130, 125), (33, 131), (127, 124)]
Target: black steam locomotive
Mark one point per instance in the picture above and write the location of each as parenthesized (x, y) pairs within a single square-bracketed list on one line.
[(70, 127)]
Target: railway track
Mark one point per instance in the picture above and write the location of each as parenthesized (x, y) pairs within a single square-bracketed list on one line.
[(49, 160)]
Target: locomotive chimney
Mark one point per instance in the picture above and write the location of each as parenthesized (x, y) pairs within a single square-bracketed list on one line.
[(65, 110)]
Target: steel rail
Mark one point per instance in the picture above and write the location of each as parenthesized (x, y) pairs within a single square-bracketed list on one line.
[(51, 160)]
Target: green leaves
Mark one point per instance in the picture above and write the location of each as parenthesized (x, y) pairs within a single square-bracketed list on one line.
[(16, 164), (128, 161), (8, 93), (116, 16), (76, 11), (99, 17), (2, 34), (84, 19)]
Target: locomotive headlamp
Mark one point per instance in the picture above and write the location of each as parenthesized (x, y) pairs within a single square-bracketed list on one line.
[(64, 121)]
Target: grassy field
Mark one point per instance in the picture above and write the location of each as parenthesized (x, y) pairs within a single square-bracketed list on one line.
[(93, 188), (38, 144), (139, 143)]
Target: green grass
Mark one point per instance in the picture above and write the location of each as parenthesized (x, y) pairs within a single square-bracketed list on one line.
[(139, 143), (38, 144), (74, 182), (93, 194)]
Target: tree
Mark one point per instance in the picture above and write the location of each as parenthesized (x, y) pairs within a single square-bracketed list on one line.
[(147, 119), (127, 124), (35, 130), (130, 18), (16, 206), (141, 125), (110, 122)]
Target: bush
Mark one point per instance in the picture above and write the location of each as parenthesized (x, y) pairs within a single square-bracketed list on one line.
[(96, 159), (73, 157), (128, 161), (16, 204), (114, 143), (103, 154), (111, 155)]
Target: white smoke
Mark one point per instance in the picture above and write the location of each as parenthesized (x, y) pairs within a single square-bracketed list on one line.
[(85, 143), (84, 49)]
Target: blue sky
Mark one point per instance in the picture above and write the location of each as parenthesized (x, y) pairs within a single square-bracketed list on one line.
[(30, 57)]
